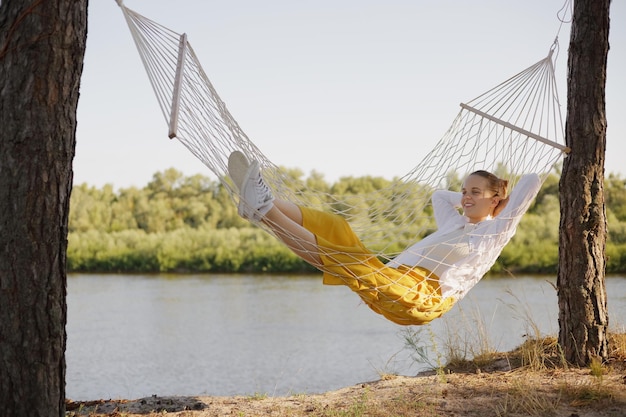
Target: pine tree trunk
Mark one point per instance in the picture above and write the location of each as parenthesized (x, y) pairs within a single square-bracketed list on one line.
[(42, 44), (583, 317)]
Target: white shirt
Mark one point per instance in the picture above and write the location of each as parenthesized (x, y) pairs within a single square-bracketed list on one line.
[(469, 250)]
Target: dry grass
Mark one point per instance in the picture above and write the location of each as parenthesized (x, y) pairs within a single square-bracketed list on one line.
[(617, 346)]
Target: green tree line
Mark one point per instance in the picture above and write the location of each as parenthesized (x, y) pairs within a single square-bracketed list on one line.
[(190, 224)]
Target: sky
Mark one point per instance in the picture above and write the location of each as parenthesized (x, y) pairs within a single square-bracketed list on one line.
[(342, 88)]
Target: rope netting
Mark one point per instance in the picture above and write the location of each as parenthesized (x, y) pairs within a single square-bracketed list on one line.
[(511, 130)]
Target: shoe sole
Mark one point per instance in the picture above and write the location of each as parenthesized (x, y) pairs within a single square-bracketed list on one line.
[(238, 166)]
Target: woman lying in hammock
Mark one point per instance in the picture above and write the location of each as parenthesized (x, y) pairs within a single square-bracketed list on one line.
[(425, 280)]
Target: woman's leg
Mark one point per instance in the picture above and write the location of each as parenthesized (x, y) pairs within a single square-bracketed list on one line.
[(285, 220), (282, 217), (290, 210)]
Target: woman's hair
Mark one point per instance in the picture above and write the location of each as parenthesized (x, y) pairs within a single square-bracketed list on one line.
[(496, 185)]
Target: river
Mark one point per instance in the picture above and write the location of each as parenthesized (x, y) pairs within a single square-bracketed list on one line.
[(132, 336)]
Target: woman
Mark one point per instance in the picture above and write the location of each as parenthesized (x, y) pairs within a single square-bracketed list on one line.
[(425, 280)]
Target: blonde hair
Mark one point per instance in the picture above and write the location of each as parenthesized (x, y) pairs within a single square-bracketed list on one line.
[(497, 186)]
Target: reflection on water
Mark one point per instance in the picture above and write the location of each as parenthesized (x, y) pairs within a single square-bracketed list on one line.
[(132, 336)]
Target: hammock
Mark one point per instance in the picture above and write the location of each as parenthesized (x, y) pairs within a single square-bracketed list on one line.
[(513, 129)]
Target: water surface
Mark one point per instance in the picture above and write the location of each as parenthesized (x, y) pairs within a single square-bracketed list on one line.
[(131, 336)]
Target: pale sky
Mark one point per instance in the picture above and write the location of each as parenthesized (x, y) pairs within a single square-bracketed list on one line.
[(342, 87)]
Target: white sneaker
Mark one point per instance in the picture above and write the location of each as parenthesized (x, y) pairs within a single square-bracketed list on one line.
[(255, 197)]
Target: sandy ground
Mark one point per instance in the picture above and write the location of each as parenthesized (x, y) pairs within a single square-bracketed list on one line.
[(478, 393)]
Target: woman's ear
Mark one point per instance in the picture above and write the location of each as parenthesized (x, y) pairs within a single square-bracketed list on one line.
[(502, 202)]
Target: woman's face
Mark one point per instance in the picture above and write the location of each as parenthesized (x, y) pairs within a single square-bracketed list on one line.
[(478, 201)]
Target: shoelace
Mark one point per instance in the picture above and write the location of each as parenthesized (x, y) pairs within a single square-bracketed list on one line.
[(263, 191)]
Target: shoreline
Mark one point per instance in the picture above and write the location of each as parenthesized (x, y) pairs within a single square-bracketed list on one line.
[(498, 391)]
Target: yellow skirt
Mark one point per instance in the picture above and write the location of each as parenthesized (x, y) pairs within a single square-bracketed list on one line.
[(406, 296)]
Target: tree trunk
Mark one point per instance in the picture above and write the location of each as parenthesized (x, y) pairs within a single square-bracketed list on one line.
[(583, 318), (42, 44)]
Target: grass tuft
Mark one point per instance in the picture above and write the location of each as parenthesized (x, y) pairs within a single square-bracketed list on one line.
[(586, 393), (525, 399)]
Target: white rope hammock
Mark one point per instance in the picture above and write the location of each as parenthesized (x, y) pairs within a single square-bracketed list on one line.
[(511, 130)]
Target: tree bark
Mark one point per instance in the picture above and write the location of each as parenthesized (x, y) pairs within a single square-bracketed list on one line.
[(42, 44), (583, 317)]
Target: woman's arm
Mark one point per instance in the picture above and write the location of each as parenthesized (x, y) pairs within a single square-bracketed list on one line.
[(520, 198), (446, 205)]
